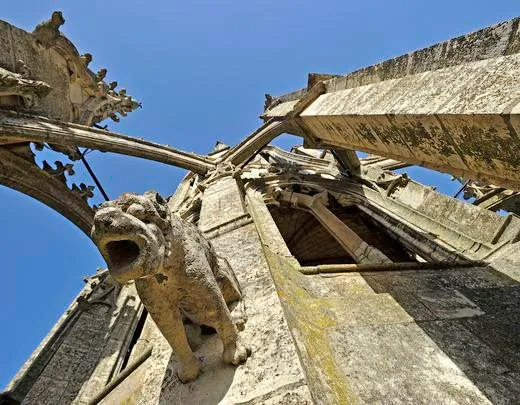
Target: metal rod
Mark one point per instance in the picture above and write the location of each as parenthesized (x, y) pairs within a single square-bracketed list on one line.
[(462, 188), (360, 268), (90, 171)]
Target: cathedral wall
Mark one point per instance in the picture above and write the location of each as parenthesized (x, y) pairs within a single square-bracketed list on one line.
[(221, 204), (421, 336), (84, 352)]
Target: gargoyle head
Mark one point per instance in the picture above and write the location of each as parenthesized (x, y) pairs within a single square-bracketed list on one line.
[(132, 233), (57, 19)]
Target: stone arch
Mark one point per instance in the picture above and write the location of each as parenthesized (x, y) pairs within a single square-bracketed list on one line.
[(21, 174)]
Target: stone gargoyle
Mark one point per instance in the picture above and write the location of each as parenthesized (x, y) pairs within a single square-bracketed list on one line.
[(176, 271)]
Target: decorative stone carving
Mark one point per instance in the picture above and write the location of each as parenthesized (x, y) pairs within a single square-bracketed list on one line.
[(23, 69), (108, 103), (90, 100), (60, 170), (101, 74), (270, 102), (101, 291), (47, 31), (176, 271), (86, 58), (478, 189), (84, 191), (15, 84)]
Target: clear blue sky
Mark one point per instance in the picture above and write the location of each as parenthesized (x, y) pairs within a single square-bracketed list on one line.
[(201, 69)]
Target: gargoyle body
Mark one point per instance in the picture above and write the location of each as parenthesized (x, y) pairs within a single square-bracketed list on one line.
[(48, 31), (176, 271)]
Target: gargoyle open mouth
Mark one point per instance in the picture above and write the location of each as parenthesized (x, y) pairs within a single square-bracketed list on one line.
[(122, 253), (129, 234)]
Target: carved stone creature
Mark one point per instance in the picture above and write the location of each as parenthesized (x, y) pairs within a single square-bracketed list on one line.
[(47, 31), (270, 102), (14, 84), (86, 59), (101, 74), (176, 271)]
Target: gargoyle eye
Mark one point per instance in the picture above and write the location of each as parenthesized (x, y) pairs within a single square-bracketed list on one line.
[(159, 199), (155, 197)]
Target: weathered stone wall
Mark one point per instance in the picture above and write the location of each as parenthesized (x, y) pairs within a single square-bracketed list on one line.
[(444, 336), (84, 353), (446, 223), (221, 204), (480, 224)]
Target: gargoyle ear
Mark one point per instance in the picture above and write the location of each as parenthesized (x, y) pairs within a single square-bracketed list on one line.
[(159, 199), (107, 204), (155, 197)]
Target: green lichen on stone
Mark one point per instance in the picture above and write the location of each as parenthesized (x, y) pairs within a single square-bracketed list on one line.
[(309, 318)]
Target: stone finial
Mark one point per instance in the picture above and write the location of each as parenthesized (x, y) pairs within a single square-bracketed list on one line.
[(86, 59), (84, 191), (176, 271), (47, 31), (268, 101), (112, 103), (101, 290), (100, 75), (60, 170), (102, 89), (112, 85)]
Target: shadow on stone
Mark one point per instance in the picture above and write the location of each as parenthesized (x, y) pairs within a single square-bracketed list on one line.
[(472, 315), (212, 384)]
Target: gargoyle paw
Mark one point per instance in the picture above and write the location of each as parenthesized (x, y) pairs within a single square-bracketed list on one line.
[(239, 317), (236, 354), (189, 372), (239, 321)]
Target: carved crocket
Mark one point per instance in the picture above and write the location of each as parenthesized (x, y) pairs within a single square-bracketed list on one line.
[(176, 271), (14, 84)]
